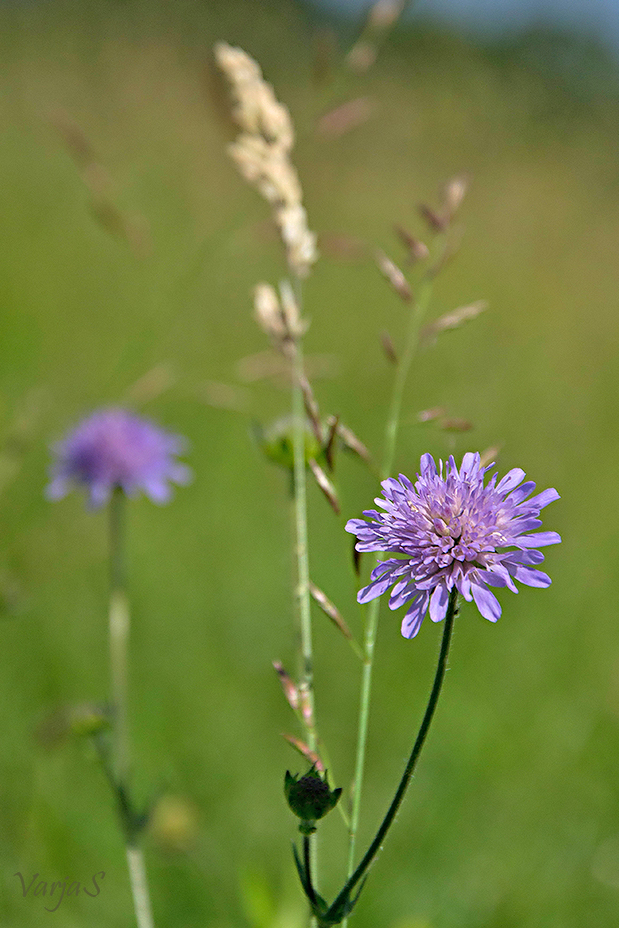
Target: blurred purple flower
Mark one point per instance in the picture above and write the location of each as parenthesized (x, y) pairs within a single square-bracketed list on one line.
[(115, 448), (448, 530)]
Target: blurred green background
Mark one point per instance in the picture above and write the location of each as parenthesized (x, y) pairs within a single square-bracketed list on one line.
[(513, 817)]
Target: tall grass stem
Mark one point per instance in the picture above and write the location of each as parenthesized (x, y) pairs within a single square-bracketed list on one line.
[(302, 553), (417, 314)]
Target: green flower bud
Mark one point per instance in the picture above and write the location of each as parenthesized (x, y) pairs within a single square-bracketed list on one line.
[(276, 442), (310, 798)]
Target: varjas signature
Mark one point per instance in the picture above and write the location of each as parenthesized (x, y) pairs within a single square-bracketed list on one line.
[(60, 888)]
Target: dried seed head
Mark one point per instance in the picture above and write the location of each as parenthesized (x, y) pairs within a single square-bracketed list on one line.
[(290, 310), (362, 56), (325, 485), (452, 320), (278, 317), (299, 241), (342, 119), (291, 691), (266, 168), (330, 610), (454, 192), (257, 110), (306, 704), (388, 347), (352, 443), (490, 455), (417, 250), (262, 150), (311, 408), (454, 424), (303, 749), (268, 312), (394, 275), (435, 222), (75, 139), (430, 415)]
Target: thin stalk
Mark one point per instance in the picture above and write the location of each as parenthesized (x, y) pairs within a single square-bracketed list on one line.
[(414, 756), (417, 314), (303, 581), (139, 887), (120, 622), (308, 867), (306, 681), (306, 677), (119, 636)]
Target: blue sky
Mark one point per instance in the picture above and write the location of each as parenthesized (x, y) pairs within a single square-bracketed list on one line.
[(600, 17)]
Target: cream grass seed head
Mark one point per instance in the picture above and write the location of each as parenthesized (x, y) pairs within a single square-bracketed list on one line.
[(261, 153)]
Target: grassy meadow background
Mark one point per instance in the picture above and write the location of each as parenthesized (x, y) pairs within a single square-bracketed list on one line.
[(513, 818)]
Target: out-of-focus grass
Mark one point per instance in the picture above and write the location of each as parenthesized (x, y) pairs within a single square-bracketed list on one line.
[(512, 819)]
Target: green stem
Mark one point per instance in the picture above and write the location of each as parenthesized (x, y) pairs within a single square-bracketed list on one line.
[(412, 761), (303, 581), (308, 868), (119, 635), (306, 677), (139, 887), (417, 314), (418, 311), (119, 669)]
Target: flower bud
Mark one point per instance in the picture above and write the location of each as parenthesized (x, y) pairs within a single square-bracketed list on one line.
[(310, 798)]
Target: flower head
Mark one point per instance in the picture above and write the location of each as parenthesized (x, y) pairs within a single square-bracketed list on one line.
[(112, 449), (449, 530)]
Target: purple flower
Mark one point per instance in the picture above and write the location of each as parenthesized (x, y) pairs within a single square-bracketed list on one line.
[(114, 448), (449, 530)]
